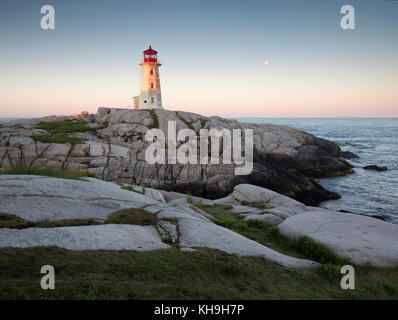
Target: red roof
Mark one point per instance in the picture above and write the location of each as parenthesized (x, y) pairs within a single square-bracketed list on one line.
[(150, 51)]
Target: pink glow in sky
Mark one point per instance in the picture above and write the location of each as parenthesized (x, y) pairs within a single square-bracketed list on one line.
[(213, 58), (263, 91)]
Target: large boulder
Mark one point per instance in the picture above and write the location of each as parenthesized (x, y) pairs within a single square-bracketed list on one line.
[(247, 193), (360, 238)]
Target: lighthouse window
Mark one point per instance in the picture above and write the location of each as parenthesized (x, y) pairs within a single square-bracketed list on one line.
[(152, 100), (144, 101), (152, 85), (151, 71)]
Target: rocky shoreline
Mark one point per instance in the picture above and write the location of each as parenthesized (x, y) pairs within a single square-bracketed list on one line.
[(110, 145), (167, 220), (286, 160)]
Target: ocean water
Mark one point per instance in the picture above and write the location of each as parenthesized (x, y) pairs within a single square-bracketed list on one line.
[(375, 141), (8, 119)]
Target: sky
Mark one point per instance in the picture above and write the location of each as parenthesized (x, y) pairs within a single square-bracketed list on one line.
[(213, 57)]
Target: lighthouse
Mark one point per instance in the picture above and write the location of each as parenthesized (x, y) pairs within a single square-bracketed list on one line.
[(150, 97)]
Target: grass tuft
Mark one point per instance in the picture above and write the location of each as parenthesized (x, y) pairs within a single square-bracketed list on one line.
[(67, 223), (155, 119), (13, 222), (131, 188), (330, 272), (50, 172), (136, 216)]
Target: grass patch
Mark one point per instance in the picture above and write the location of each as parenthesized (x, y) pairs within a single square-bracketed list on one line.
[(391, 288), (57, 138), (190, 200), (136, 216), (65, 126), (269, 235), (61, 130), (50, 172), (67, 223), (155, 119), (13, 222), (173, 274), (130, 188), (329, 272), (126, 216)]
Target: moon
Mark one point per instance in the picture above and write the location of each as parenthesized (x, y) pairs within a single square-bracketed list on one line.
[(266, 62)]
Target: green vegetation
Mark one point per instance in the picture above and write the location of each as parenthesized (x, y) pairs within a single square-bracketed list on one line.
[(173, 274), (131, 188), (67, 223), (391, 288), (136, 216), (133, 216), (189, 198), (61, 130), (329, 272), (58, 138), (65, 126), (203, 122), (269, 235), (13, 222), (51, 172), (155, 119)]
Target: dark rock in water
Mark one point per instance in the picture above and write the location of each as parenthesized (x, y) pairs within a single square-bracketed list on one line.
[(348, 155), (376, 168), (366, 215), (378, 217)]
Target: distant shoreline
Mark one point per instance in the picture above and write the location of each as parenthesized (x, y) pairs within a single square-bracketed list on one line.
[(7, 119)]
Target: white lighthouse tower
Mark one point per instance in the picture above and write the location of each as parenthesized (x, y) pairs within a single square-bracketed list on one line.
[(150, 97)]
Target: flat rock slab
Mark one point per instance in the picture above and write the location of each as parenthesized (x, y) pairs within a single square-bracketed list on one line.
[(250, 193), (246, 209), (37, 198), (200, 233), (102, 237), (360, 238)]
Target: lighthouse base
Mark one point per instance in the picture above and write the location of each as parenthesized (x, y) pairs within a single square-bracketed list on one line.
[(148, 100)]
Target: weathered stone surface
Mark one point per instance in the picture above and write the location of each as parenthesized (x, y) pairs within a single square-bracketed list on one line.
[(197, 233), (246, 209), (270, 218), (249, 193), (38, 198), (286, 212), (358, 237), (102, 237), (284, 158)]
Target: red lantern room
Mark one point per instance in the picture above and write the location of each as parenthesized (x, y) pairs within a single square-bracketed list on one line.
[(150, 55)]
